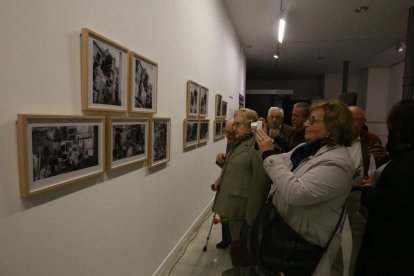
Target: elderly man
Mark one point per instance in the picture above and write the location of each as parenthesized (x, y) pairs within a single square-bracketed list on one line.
[(300, 114), (275, 124), (364, 143)]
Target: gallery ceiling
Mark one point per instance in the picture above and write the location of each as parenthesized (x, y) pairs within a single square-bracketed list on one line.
[(319, 35)]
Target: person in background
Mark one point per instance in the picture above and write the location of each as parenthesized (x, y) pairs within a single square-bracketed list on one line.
[(264, 123), (363, 141), (275, 125), (221, 157), (244, 184), (388, 242), (300, 114), (312, 181)]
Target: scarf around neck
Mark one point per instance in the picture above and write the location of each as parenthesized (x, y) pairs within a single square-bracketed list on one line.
[(245, 137), (305, 151)]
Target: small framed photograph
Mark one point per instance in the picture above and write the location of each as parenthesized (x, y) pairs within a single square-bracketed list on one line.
[(203, 102), (217, 130), (223, 126), (143, 79), (104, 73), (190, 133), (56, 150), (127, 141), (224, 109), (219, 99), (203, 131), (193, 96), (160, 133)]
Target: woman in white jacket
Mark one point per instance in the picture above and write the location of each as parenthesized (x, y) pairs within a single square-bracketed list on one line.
[(311, 182)]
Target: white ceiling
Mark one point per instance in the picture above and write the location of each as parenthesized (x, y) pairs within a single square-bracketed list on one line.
[(318, 28)]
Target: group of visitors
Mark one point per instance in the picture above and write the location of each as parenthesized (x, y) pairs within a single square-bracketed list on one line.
[(315, 173)]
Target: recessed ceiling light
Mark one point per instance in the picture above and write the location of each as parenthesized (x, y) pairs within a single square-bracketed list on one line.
[(361, 9)]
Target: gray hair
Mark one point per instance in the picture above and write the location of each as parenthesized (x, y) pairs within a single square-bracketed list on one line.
[(277, 109)]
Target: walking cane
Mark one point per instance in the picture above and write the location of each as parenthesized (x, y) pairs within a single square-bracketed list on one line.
[(209, 232)]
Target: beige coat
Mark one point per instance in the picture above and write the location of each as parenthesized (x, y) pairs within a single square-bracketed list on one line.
[(311, 198), (244, 184)]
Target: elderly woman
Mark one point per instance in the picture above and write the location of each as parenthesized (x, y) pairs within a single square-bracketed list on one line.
[(387, 245), (311, 182), (244, 183)]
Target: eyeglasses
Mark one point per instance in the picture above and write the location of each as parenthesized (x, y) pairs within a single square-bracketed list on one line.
[(313, 119), (237, 125)]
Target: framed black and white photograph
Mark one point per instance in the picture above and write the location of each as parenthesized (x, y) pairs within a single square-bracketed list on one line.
[(217, 130), (56, 150), (193, 96), (224, 109), (127, 141), (203, 131), (104, 73), (219, 99), (160, 135), (223, 126), (143, 79), (190, 133), (203, 102)]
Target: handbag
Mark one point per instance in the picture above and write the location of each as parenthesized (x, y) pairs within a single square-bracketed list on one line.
[(278, 249)]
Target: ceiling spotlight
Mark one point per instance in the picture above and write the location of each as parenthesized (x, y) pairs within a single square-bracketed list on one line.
[(276, 55), (361, 9), (399, 46)]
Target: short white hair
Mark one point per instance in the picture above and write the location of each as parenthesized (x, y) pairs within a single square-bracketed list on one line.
[(277, 109)]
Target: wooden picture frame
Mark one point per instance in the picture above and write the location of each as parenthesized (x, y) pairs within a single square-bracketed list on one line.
[(143, 84), (217, 130), (56, 150), (104, 73), (160, 140), (193, 93), (203, 109), (224, 109), (204, 132), (190, 132), (126, 141), (219, 99)]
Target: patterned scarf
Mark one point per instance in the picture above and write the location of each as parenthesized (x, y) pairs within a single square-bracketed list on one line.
[(245, 137), (305, 151)]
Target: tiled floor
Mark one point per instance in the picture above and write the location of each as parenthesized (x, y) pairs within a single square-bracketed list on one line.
[(192, 260)]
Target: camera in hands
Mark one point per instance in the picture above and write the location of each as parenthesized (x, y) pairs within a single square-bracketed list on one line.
[(256, 125)]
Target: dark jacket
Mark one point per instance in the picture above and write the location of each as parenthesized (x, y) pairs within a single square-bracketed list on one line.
[(387, 246)]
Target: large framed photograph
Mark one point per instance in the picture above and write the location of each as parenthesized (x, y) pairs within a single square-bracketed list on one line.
[(193, 96), (104, 73), (203, 102), (160, 133), (190, 133), (224, 109), (203, 131), (55, 150), (223, 126), (219, 100), (143, 79), (127, 141), (217, 130)]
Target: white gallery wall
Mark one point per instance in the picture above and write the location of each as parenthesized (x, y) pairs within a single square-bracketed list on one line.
[(128, 221)]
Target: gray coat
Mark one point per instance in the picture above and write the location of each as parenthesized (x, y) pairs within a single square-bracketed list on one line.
[(310, 198), (244, 184)]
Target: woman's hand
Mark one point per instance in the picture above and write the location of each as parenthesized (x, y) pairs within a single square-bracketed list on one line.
[(263, 140)]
